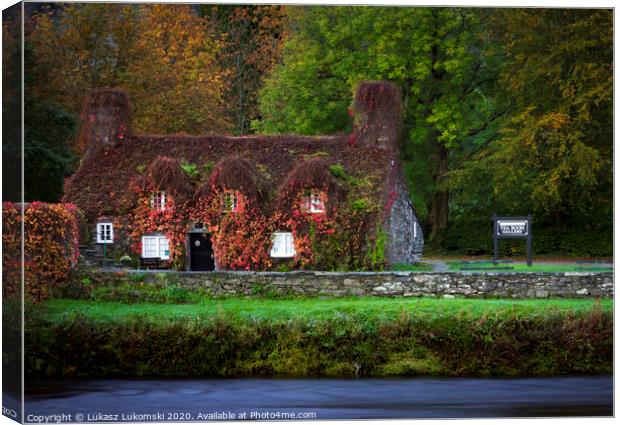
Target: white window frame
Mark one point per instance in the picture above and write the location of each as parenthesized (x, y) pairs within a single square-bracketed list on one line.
[(161, 245), (158, 200), (283, 245), (313, 202), (229, 201), (102, 237)]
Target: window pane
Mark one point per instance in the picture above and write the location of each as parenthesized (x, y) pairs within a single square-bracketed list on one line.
[(229, 201), (282, 245), (104, 233), (275, 249), (164, 252), (290, 249), (312, 202), (149, 247), (158, 201)]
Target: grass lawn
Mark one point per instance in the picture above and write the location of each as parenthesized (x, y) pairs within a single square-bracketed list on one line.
[(313, 308), (417, 267), (558, 268)]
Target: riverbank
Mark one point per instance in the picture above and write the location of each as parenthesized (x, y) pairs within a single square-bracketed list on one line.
[(313, 337)]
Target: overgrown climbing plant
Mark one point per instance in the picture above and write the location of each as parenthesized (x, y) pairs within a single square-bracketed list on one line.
[(171, 221), (51, 247), (241, 237)]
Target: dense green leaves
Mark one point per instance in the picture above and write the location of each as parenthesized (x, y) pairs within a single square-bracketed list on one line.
[(435, 55), (508, 111), (323, 337), (48, 130), (553, 157)]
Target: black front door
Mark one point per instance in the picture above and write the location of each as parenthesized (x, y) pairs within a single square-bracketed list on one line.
[(200, 252)]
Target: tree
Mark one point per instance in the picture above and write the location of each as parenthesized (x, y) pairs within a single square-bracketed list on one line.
[(554, 155), (11, 107), (48, 128), (163, 55), (435, 55), (82, 47), (251, 38), (48, 157), (176, 83)]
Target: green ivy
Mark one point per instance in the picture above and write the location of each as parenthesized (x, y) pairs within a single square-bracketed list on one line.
[(337, 170), (376, 249), (190, 169)]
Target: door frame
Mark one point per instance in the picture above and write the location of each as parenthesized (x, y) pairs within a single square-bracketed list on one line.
[(188, 255)]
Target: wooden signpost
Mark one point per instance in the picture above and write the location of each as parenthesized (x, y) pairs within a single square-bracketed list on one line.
[(512, 227)]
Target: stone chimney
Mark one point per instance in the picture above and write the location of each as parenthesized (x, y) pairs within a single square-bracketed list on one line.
[(106, 120), (377, 115)]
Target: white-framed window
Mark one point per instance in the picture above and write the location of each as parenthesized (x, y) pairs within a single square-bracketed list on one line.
[(105, 233), (158, 201), (313, 202), (155, 247), (229, 202), (283, 246)]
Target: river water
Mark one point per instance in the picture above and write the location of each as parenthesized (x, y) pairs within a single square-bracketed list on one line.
[(210, 399)]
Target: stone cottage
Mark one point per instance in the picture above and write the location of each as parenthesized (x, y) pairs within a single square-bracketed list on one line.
[(250, 202)]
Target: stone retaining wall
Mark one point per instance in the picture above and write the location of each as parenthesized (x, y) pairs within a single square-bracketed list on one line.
[(408, 284)]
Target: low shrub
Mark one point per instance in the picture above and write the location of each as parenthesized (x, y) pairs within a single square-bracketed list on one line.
[(476, 238), (345, 345), (50, 244)]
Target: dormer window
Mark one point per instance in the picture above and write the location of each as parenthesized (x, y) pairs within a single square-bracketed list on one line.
[(158, 201), (312, 201), (229, 201)]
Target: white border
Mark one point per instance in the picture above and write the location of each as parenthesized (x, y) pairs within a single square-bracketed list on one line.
[(548, 3)]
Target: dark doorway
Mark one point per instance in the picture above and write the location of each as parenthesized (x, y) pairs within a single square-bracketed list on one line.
[(200, 252)]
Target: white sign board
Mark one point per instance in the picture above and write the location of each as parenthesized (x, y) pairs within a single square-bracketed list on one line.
[(512, 227)]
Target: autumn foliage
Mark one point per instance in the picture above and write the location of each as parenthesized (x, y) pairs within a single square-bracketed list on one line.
[(327, 194), (51, 247), (163, 174), (241, 236), (251, 38), (163, 55), (240, 215)]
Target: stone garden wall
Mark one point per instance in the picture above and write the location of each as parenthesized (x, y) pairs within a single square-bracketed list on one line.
[(408, 284)]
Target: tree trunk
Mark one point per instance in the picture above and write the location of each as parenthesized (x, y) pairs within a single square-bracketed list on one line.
[(439, 203)]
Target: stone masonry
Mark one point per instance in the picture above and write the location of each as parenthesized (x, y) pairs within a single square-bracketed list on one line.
[(390, 284)]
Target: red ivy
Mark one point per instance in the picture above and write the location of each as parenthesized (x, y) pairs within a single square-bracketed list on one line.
[(171, 222), (51, 246), (241, 238)]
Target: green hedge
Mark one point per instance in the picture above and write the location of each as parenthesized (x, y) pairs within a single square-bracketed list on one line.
[(475, 238), (347, 345)]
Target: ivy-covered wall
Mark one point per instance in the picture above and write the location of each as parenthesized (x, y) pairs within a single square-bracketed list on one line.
[(363, 225), (356, 231)]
